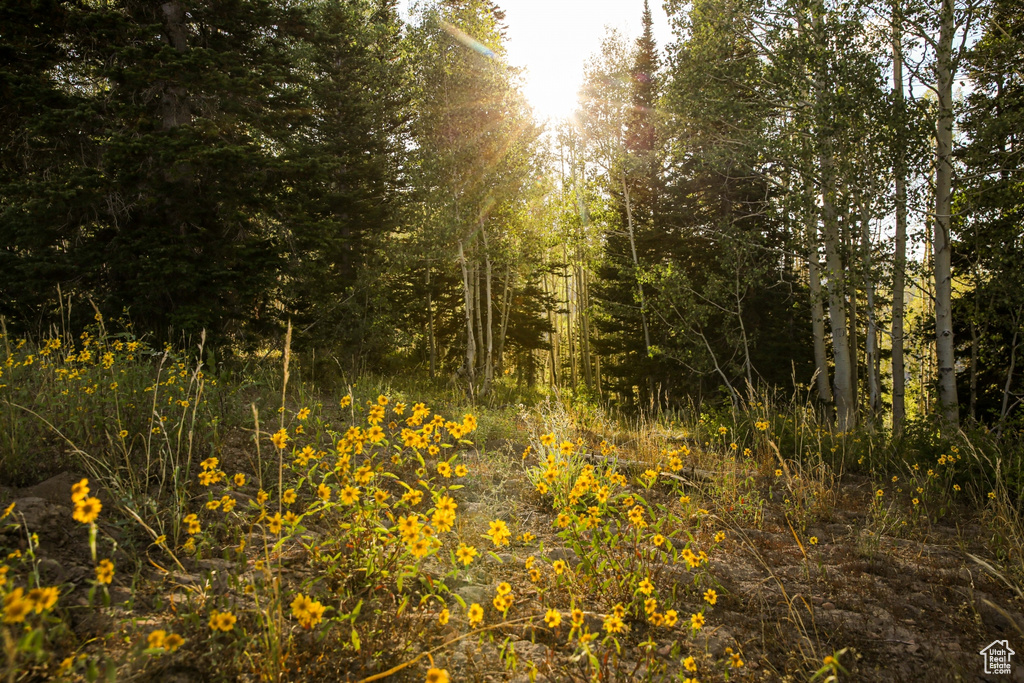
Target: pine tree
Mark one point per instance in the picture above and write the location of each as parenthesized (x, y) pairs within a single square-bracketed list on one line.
[(988, 252)]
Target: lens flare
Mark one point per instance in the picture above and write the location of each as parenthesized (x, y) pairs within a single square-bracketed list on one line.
[(467, 40)]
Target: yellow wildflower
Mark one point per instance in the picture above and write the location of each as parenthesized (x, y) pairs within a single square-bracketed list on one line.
[(87, 510), (222, 621), (105, 572)]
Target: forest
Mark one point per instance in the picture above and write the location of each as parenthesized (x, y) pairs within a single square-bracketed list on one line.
[(722, 371)]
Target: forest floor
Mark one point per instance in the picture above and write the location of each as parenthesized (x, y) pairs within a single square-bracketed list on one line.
[(892, 601)]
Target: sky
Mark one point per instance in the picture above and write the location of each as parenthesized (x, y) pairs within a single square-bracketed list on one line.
[(552, 39)]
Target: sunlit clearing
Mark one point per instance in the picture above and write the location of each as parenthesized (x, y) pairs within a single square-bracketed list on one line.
[(552, 93)]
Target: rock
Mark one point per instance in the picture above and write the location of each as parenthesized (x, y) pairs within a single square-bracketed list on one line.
[(503, 558), (119, 595), (56, 489), (52, 572), (527, 651), (677, 575), (628, 467), (93, 623), (472, 509), (186, 579), (479, 594), (218, 565), (180, 598), (457, 659), (716, 640), (567, 555), (828, 606), (819, 533), (41, 515)]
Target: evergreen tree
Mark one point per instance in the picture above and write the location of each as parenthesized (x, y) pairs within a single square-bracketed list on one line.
[(618, 123), (989, 250), (342, 169), (214, 166)]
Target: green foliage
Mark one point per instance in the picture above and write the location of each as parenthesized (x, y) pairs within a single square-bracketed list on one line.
[(189, 161), (989, 249)]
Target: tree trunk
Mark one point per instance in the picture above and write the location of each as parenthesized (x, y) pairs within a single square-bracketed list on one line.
[(636, 274), (842, 383), (430, 327), (478, 316), (581, 288), (470, 340), (973, 405), (852, 283), (871, 344), (818, 316), (899, 410), (747, 365), (1004, 411), (925, 381), (505, 310), (489, 365), (944, 348), (733, 396), (553, 321), (846, 409), (636, 264), (174, 105), (570, 322)]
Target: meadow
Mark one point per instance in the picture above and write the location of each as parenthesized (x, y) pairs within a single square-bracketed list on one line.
[(167, 519)]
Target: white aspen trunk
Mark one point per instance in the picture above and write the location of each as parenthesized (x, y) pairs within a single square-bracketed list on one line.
[(636, 264), (818, 317), (478, 316), (581, 289), (944, 347), (852, 319), (973, 401), (489, 365), (842, 381), (871, 344), (721, 373), (470, 341), (585, 308), (505, 310), (553, 321), (569, 315), (846, 410)]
